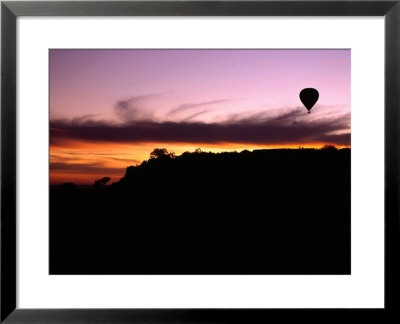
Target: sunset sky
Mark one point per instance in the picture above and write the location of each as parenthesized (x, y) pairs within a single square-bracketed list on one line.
[(110, 108)]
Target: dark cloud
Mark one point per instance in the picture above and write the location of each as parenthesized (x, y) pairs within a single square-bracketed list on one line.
[(343, 139), (88, 168), (104, 156), (294, 126)]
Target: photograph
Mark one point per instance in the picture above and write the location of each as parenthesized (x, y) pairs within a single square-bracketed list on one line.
[(199, 161)]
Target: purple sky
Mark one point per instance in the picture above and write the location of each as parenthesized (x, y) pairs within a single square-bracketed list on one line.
[(195, 85), (109, 108)]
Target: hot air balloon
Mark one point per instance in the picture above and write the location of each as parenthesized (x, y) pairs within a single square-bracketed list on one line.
[(309, 96)]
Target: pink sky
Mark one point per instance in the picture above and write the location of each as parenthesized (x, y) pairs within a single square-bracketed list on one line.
[(91, 82), (108, 108)]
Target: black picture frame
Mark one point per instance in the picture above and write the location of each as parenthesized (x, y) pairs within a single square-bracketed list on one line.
[(11, 10)]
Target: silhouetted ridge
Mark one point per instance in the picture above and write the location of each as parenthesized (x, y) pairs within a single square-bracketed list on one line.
[(267, 211)]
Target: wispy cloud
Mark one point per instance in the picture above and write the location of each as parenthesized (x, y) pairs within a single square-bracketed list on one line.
[(86, 168), (195, 115), (132, 109), (84, 119), (187, 106), (73, 158)]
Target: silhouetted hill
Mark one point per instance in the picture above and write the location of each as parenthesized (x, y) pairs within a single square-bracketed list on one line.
[(260, 212)]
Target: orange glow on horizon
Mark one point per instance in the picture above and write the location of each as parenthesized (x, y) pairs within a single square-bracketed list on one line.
[(84, 162)]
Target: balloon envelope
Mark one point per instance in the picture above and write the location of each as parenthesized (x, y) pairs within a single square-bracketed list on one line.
[(309, 96)]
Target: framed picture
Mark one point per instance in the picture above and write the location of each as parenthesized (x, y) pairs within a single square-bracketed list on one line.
[(195, 161)]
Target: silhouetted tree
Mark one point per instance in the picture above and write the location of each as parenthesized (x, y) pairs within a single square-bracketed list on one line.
[(329, 147), (161, 152), (100, 183)]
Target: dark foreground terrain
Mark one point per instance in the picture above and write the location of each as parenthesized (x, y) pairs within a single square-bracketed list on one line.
[(261, 212)]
